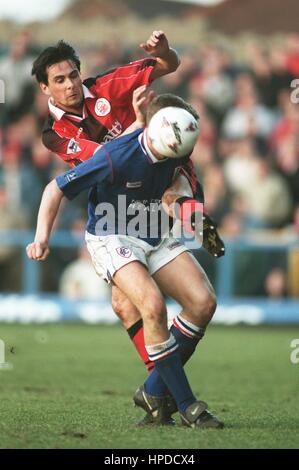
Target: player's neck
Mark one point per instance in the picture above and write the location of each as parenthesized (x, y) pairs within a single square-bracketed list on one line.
[(150, 148), (77, 110)]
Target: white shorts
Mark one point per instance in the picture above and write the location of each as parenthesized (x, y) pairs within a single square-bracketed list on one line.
[(112, 252)]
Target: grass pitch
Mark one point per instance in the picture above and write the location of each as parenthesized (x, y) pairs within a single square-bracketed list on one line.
[(71, 386)]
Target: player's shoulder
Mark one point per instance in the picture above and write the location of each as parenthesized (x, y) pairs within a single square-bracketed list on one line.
[(93, 81), (126, 141), (48, 124), (123, 148), (52, 135), (183, 162), (48, 134), (123, 70)]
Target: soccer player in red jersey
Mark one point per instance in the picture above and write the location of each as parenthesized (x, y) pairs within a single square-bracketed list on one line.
[(83, 115)]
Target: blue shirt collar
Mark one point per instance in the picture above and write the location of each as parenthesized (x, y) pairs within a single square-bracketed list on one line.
[(146, 150)]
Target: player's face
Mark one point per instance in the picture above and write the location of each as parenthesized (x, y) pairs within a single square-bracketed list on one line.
[(64, 85)]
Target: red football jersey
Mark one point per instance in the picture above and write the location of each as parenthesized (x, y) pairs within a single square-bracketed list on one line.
[(107, 112)]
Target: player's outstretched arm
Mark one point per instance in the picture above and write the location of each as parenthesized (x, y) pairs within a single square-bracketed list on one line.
[(51, 199), (142, 96), (167, 58)]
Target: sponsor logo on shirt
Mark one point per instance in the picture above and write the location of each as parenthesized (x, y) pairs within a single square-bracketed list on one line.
[(124, 251), (112, 133), (133, 184), (102, 107), (73, 147)]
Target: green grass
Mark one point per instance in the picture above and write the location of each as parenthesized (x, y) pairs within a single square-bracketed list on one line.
[(71, 386)]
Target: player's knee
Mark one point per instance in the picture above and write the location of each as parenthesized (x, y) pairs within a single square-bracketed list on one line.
[(203, 307), (117, 305), (124, 309), (154, 310), (211, 303)]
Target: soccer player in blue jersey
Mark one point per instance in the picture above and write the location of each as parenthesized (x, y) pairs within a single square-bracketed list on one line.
[(143, 259)]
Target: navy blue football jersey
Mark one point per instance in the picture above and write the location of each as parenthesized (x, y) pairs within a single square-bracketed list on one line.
[(126, 186)]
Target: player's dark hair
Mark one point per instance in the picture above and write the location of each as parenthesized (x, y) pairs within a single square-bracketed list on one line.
[(165, 100), (52, 55)]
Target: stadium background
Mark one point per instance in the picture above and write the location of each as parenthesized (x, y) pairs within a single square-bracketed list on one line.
[(237, 69)]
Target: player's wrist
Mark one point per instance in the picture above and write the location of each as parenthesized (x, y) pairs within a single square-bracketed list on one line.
[(164, 55), (187, 209), (140, 122), (189, 204), (170, 55), (42, 240)]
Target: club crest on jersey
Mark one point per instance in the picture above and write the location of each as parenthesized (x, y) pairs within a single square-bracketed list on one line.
[(124, 251), (102, 107), (73, 147)]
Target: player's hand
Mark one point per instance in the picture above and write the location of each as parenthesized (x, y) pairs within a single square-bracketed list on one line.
[(156, 45), (38, 251), (142, 96)]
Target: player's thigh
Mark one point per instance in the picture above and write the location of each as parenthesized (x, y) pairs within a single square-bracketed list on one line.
[(135, 282), (184, 280), (124, 308)]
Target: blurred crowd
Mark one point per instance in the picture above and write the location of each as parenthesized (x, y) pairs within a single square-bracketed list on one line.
[(247, 155)]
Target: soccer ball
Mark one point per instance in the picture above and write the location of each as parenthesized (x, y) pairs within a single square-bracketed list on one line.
[(173, 132)]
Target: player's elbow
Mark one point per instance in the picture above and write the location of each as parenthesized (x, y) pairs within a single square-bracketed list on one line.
[(52, 193), (166, 65), (175, 61), (172, 64)]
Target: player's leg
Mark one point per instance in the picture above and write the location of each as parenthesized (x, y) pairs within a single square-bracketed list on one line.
[(184, 280), (134, 280), (124, 309), (123, 260), (131, 319)]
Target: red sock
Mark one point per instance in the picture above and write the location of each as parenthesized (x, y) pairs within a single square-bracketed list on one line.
[(136, 334)]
